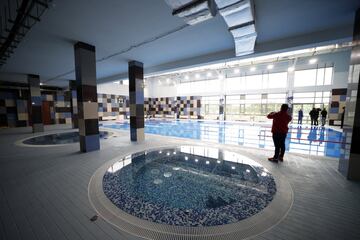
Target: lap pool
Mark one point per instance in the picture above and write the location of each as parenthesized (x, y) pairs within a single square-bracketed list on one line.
[(320, 141)]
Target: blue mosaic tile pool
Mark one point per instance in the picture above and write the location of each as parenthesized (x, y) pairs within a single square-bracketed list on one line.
[(319, 141), (60, 138), (189, 186)]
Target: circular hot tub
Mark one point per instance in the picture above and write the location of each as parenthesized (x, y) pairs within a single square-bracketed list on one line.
[(189, 191), (59, 138)]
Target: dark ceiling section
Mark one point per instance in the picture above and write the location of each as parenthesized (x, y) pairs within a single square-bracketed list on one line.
[(17, 18)]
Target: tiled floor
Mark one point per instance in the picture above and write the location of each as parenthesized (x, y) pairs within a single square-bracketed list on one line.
[(44, 195)]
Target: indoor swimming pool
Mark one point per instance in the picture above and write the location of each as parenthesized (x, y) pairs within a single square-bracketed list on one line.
[(189, 186), (320, 141)]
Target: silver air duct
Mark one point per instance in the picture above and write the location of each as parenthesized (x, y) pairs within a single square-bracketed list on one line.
[(192, 11), (239, 16)]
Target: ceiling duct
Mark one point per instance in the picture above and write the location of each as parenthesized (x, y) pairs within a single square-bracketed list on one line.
[(193, 11), (239, 16)]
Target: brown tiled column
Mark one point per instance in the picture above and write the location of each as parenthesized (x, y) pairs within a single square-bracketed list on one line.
[(136, 93), (36, 102), (349, 164), (73, 104), (85, 68)]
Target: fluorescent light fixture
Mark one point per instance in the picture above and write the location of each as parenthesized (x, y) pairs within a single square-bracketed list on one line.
[(313, 61), (270, 66), (252, 69), (291, 69), (236, 70)]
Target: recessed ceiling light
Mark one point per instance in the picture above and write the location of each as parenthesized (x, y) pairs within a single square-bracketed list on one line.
[(221, 76), (291, 69), (117, 82), (159, 82), (313, 61), (168, 80), (252, 69), (270, 66), (186, 77), (197, 75), (209, 74)]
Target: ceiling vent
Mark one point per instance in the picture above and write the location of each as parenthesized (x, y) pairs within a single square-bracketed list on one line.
[(193, 11), (239, 16)]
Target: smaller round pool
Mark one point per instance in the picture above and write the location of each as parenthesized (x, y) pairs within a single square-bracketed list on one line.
[(189, 186), (60, 138)]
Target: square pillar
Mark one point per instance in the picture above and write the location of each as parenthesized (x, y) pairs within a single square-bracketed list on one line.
[(35, 103), (136, 95), (88, 120), (73, 104), (349, 163)]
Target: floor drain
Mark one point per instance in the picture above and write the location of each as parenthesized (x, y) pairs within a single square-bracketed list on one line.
[(94, 218)]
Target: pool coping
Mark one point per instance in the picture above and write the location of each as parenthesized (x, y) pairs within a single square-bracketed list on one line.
[(270, 216)]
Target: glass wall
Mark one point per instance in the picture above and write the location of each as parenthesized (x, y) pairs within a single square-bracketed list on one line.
[(309, 100), (313, 77), (210, 107)]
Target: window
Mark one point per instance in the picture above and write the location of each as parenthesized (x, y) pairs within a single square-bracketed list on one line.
[(277, 80), (234, 84), (254, 82), (305, 78), (313, 77), (186, 88)]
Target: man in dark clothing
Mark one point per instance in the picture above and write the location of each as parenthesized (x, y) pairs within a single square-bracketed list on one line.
[(279, 131), (316, 117), (323, 117), (342, 117), (312, 114), (300, 116)]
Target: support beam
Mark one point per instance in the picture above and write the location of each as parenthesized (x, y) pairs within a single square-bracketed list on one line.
[(136, 94), (349, 164), (88, 120), (36, 103), (73, 104)]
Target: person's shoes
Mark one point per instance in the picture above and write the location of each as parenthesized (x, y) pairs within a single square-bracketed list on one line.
[(272, 159), (281, 159)]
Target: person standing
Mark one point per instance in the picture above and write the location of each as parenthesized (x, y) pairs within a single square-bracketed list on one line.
[(342, 118), (316, 117), (323, 117), (279, 131), (312, 114), (300, 116)]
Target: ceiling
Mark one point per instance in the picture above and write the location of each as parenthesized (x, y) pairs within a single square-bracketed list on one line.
[(146, 31)]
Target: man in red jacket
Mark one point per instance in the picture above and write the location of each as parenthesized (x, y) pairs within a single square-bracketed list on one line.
[(279, 131)]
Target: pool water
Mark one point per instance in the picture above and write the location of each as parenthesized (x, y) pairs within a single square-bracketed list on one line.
[(60, 138), (189, 186), (320, 141)]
